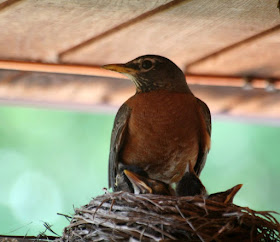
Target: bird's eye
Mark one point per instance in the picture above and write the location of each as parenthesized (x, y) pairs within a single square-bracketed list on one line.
[(147, 64)]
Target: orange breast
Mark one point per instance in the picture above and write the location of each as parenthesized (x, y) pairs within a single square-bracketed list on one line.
[(163, 134)]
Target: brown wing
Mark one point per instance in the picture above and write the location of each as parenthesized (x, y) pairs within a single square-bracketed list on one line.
[(206, 115), (117, 138), (202, 155)]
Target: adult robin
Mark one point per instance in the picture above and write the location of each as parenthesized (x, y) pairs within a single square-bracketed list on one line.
[(163, 129)]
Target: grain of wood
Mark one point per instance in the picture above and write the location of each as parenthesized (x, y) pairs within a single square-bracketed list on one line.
[(236, 102), (39, 30), (258, 57), (57, 88), (7, 76), (184, 33), (7, 3)]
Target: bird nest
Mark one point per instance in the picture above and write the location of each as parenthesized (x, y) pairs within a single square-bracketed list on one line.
[(123, 216)]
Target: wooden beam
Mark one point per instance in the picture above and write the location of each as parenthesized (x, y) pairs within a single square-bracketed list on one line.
[(89, 70), (102, 94), (7, 3)]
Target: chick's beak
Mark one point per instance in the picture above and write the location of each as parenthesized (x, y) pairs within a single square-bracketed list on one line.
[(121, 68), (137, 182)]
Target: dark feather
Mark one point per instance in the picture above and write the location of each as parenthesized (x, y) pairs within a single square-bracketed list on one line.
[(202, 154), (117, 138), (206, 114)]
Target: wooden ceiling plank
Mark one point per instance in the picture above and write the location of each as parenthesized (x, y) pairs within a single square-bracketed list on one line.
[(184, 33), (139, 18), (7, 3), (256, 58), (236, 102), (8, 76), (51, 87), (235, 45), (39, 30)]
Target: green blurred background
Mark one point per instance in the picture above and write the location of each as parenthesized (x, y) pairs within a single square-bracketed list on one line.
[(52, 161)]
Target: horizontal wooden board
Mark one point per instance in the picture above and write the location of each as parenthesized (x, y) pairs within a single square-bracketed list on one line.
[(39, 30), (260, 57), (7, 76), (59, 88), (183, 33), (89, 70), (238, 102), (87, 93)]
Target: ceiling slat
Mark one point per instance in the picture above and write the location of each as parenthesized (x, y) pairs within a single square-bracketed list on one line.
[(260, 58), (184, 33), (115, 29), (39, 30), (7, 3)]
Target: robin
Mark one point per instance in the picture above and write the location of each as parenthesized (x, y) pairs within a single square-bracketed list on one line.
[(163, 129), (142, 184), (225, 197), (145, 185), (190, 183)]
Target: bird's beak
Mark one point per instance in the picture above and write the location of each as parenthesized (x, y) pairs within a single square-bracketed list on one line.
[(137, 182), (232, 193), (121, 68)]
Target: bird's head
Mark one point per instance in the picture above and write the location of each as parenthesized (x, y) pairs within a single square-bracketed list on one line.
[(152, 72)]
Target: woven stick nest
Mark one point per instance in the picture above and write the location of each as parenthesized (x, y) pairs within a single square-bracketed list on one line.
[(123, 216)]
